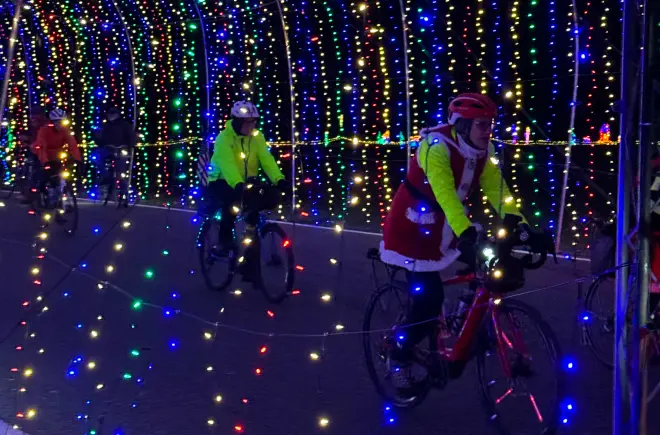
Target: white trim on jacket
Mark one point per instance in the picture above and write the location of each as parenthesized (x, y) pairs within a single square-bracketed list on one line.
[(395, 259)]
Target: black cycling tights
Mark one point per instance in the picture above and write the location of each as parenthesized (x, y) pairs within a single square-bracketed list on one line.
[(427, 296), (219, 195)]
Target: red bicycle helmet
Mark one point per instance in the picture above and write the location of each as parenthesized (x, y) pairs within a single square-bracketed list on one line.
[(471, 106)]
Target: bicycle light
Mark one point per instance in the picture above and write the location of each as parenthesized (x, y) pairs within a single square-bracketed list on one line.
[(501, 233)]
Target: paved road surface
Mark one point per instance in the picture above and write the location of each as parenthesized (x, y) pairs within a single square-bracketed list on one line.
[(171, 385)]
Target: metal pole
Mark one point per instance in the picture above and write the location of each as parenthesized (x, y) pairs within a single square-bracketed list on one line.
[(207, 113), (623, 208), (640, 314), (10, 57), (405, 64), (293, 111), (571, 129), (134, 84)]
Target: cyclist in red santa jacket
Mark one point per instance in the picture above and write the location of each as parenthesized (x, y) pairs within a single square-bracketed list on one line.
[(55, 143), (428, 210)]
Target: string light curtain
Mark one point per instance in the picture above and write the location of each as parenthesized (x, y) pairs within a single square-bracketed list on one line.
[(182, 64)]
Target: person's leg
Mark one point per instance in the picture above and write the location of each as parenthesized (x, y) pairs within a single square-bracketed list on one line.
[(221, 196), (51, 171), (122, 161), (427, 296)]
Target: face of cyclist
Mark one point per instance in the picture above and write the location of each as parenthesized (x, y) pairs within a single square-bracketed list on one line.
[(480, 133), (249, 125), (38, 119), (58, 124)]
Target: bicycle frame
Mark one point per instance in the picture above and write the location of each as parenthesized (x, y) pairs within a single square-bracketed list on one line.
[(483, 303)]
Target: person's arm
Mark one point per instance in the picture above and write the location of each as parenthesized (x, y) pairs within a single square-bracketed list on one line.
[(73, 146), (435, 162), (496, 190), (223, 158), (38, 146), (267, 160)]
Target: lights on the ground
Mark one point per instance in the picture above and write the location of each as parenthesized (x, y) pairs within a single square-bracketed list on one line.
[(118, 247), (217, 398), (501, 233), (28, 372), (126, 224), (93, 333), (326, 297), (324, 422), (210, 422), (497, 274), (314, 356)]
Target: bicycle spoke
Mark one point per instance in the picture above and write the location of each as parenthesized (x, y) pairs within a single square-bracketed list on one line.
[(536, 408), (504, 396)]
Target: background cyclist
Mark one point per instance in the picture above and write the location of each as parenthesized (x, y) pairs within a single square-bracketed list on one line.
[(55, 143), (116, 140), (239, 150)]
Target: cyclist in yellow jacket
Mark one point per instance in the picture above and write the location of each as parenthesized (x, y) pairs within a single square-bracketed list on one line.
[(240, 149)]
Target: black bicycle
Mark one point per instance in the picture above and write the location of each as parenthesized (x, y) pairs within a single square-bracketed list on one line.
[(263, 256), (57, 202), (16, 175), (113, 179)]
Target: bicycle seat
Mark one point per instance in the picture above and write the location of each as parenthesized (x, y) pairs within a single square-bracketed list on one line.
[(373, 254)]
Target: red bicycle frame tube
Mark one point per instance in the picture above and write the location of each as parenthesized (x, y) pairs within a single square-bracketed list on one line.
[(473, 321)]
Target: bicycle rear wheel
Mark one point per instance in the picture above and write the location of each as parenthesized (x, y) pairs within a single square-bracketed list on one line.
[(218, 268), (526, 398), (385, 311), (277, 267), (598, 319)]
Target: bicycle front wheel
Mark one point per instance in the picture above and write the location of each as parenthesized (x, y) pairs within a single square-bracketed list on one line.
[(277, 269), (218, 267), (519, 371)]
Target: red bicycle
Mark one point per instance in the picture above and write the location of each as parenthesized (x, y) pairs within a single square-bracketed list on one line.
[(493, 329)]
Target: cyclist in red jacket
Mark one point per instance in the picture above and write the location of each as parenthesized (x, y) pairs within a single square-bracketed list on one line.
[(54, 144)]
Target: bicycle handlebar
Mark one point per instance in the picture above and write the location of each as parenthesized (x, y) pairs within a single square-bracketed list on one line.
[(513, 234)]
